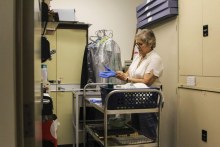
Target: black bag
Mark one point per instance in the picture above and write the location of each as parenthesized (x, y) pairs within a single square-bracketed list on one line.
[(47, 106), (44, 16), (44, 12), (45, 49), (48, 143)]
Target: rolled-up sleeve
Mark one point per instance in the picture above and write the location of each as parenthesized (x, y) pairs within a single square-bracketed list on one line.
[(156, 66)]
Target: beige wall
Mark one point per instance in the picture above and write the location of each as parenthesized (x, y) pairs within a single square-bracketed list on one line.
[(116, 15), (119, 16), (167, 46)]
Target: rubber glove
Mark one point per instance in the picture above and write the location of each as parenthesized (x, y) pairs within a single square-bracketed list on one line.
[(107, 68), (108, 73)]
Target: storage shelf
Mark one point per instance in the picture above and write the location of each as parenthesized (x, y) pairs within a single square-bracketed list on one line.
[(111, 139), (100, 107)]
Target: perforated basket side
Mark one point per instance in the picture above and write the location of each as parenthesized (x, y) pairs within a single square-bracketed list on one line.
[(133, 100), (104, 92)]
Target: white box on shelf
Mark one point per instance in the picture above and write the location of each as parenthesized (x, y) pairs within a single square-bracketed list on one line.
[(66, 14)]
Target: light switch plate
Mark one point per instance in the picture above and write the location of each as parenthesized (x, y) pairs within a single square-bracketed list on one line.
[(191, 81)]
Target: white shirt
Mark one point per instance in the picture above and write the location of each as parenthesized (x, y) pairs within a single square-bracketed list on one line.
[(151, 62)]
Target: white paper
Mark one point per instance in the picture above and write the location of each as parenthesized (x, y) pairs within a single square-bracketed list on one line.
[(146, 9), (131, 86)]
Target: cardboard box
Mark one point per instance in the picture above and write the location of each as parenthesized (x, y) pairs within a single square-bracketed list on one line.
[(167, 13), (158, 9), (143, 5), (66, 14), (148, 7)]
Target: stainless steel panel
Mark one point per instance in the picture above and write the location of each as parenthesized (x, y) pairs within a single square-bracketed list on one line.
[(28, 76)]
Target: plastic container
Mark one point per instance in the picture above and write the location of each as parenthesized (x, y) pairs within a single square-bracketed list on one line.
[(129, 100), (44, 72)]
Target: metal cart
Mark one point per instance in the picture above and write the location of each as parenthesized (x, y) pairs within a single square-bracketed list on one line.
[(117, 102), (77, 105)]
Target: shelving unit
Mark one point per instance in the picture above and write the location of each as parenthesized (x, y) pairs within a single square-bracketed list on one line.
[(111, 107), (77, 105)]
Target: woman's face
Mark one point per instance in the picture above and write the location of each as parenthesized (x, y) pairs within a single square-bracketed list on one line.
[(143, 48)]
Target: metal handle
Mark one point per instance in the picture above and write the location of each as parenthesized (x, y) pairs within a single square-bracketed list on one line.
[(61, 88), (205, 31)]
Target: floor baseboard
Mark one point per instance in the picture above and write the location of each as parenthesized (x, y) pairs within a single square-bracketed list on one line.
[(70, 145), (66, 145)]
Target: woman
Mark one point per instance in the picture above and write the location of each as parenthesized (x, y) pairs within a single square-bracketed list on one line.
[(146, 68)]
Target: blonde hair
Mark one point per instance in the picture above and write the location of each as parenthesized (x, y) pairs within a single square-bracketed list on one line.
[(146, 36)]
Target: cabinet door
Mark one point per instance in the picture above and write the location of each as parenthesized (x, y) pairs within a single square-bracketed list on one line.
[(66, 65), (190, 37), (188, 119), (70, 49), (64, 115), (198, 110), (211, 44)]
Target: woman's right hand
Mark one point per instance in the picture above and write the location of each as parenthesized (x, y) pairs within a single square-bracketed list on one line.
[(121, 75)]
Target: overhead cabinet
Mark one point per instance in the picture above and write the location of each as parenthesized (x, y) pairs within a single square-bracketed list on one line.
[(69, 41), (211, 43), (71, 44), (199, 37)]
